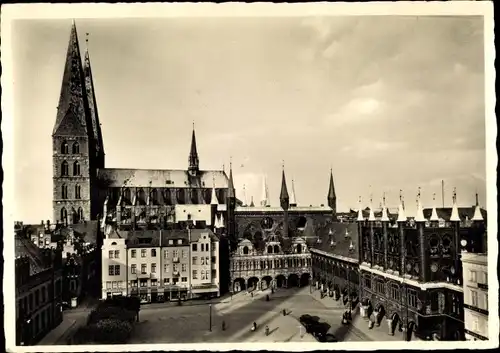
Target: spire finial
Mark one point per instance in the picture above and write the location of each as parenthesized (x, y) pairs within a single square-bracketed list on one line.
[(455, 194), (383, 197), (434, 196), (230, 162), (87, 40), (193, 124), (213, 180), (282, 164), (477, 198)]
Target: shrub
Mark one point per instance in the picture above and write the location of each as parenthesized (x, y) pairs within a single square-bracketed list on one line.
[(111, 312)]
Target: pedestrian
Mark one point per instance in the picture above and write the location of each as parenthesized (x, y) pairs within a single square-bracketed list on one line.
[(284, 312), (223, 326), (251, 294), (267, 297), (267, 330), (254, 326)]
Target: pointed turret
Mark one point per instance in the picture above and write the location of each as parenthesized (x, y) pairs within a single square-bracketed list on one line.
[(455, 217), (264, 201), (251, 203), (477, 212), (360, 211), (371, 217), (94, 116), (434, 215), (245, 202), (401, 209), (385, 216), (284, 198), (221, 221), (193, 156), (213, 198), (293, 199), (420, 211), (332, 197), (230, 185)]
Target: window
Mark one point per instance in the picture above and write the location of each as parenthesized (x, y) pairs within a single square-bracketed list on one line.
[(144, 283), (179, 242), (165, 254), (214, 274), (64, 148), (154, 283), (184, 254), (473, 276), (165, 268), (202, 247), (133, 269), (111, 253), (80, 213), (78, 191), (176, 267), (207, 260), (202, 260), (143, 268), (473, 297), (195, 260), (117, 270), (475, 323), (108, 285), (395, 292), (76, 148), (170, 242), (64, 215), (133, 253), (484, 276), (195, 274), (195, 247), (153, 252), (412, 298), (166, 280), (76, 168), (207, 247), (114, 284), (202, 274), (143, 252), (183, 267), (64, 169), (213, 259), (64, 191), (117, 254), (486, 301), (184, 279), (153, 268), (175, 253), (111, 270)]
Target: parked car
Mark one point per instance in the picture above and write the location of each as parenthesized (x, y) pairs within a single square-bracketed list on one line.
[(308, 322)]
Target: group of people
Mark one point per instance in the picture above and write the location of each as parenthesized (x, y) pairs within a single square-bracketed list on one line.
[(346, 317), (254, 328)]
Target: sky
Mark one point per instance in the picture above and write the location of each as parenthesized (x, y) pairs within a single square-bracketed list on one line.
[(388, 103)]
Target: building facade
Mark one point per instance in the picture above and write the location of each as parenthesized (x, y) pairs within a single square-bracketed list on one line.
[(411, 276), (159, 265), (38, 291)]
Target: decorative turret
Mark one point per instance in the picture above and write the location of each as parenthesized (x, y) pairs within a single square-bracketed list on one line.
[(477, 212), (434, 215), (385, 217), (293, 199), (401, 209), (230, 186), (360, 211), (264, 201), (455, 217), (371, 217), (213, 198), (245, 203), (194, 163), (332, 197), (420, 211), (284, 198), (251, 203)]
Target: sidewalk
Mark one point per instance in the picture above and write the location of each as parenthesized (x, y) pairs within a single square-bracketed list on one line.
[(327, 301), (57, 335)]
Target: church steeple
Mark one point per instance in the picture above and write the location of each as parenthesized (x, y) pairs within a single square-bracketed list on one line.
[(193, 156), (73, 116), (284, 197), (94, 116), (332, 197), (230, 186)]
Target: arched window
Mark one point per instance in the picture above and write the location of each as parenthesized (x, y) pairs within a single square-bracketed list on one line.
[(141, 196), (64, 191), (153, 196), (64, 169), (78, 190), (245, 250), (64, 148), (299, 249), (80, 214), (76, 148), (126, 194), (76, 168), (269, 249), (64, 215), (276, 249)]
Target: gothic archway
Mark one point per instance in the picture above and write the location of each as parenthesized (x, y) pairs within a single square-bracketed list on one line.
[(252, 283), (304, 279), (239, 285), (395, 320), (280, 281), (267, 282), (293, 280)]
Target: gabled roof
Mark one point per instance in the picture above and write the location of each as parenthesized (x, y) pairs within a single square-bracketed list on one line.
[(162, 178), (156, 238), (342, 243), (25, 248)]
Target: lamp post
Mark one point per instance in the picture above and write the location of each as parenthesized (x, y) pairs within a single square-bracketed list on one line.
[(210, 323)]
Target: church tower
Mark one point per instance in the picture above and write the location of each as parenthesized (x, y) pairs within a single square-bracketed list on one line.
[(332, 197), (76, 142), (285, 203)]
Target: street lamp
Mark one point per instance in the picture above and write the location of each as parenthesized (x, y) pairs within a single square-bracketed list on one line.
[(210, 323)]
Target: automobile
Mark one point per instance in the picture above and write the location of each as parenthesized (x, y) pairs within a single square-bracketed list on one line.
[(308, 321), (319, 330), (326, 338)]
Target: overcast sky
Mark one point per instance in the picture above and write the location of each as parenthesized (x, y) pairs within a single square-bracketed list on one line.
[(391, 102)]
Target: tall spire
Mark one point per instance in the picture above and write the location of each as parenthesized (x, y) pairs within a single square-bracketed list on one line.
[(91, 98), (284, 198), (245, 201), (477, 212), (293, 198), (213, 199), (73, 116), (264, 201), (434, 215), (420, 211), (193, 155), (332, 197), (360, 211), (454, 210), (385, 217), (401, 209), (230, 185)]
